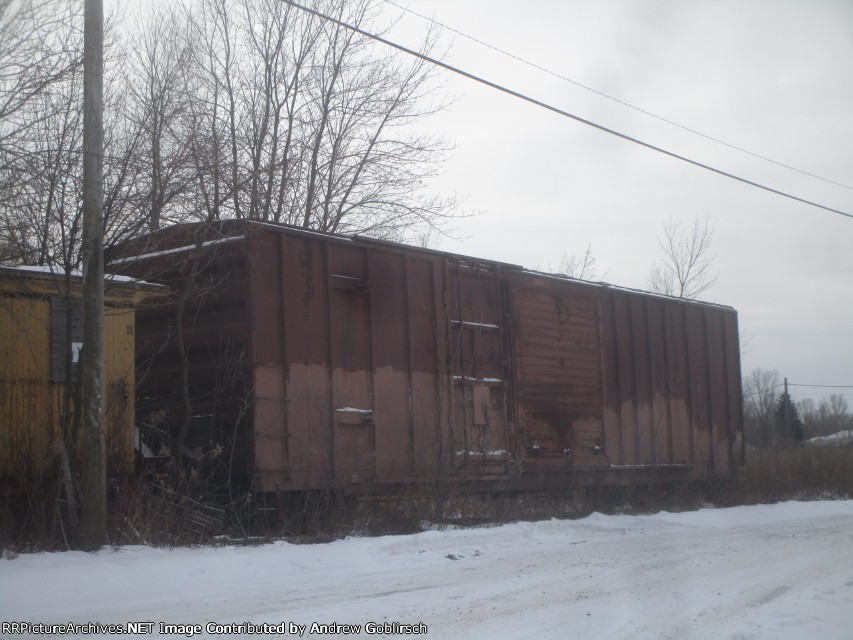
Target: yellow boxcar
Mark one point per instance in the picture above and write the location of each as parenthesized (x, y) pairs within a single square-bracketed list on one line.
[(40, 343)]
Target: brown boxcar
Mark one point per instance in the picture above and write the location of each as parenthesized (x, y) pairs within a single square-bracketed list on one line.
[(321, 361)]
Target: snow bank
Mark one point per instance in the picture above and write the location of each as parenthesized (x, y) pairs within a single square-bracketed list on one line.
[(842, 437)]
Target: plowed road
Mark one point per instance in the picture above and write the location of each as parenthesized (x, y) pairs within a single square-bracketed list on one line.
[(770, 572)]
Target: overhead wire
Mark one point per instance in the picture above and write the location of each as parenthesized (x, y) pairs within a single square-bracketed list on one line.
[(613, 98), (815, 386), (554, 109), (822, 386)]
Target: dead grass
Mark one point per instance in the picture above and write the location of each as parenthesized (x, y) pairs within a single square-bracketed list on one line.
[(152, 510), (31, 516), (795, 472)]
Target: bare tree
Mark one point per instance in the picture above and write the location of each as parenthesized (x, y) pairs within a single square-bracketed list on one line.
[(685, 264), (37, 49), (809, 413), (41, 178), (307, 123), (157, 83), (760, 397), (581, 267), (375, 163), (826, 417), (40, 142), (836, 410), (236, 108)]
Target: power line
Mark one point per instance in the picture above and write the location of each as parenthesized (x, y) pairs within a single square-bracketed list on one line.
[(816, 386), (614, 99), (822, 386), (556, 110)]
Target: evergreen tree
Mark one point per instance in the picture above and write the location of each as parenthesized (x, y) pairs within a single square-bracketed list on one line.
[(789, 425)]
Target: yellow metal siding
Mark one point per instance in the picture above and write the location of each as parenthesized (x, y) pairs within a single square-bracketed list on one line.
[(32, 407), (120, 380), (26, 420)]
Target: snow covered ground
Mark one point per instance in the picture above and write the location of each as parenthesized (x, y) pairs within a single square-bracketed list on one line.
[(778, 572)]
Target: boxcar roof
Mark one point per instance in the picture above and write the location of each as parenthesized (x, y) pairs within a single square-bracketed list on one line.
[(188, 236)]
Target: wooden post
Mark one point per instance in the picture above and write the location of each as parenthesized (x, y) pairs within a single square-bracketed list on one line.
[(93, 519), (787, 433)]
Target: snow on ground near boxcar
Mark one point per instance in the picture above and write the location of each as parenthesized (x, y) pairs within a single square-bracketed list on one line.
[(777, 571)]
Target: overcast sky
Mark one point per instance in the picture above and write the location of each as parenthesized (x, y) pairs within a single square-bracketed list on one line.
[(772, 77)]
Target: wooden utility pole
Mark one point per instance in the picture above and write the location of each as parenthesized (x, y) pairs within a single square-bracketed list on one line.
[(93, 521), (787, 433)]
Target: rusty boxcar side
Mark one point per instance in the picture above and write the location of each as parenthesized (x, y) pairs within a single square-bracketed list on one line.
[(626, 381), (324, 361)]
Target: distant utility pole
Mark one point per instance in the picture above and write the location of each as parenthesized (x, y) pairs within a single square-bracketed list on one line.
[(93, 521), (787, 414)]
